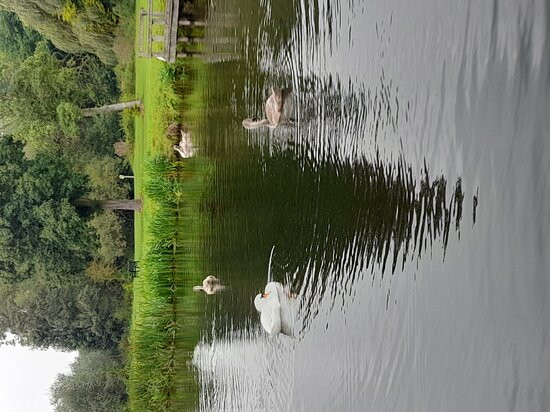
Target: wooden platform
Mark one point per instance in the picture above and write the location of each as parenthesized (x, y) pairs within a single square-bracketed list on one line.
[(171, 21)]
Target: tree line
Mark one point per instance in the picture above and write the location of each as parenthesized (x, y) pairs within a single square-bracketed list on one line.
[(63, 282)]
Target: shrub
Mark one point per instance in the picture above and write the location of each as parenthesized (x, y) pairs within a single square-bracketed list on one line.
[(121, 148), (68, 116), (104, 181), (112, 245), (100, 271), (100, 133)]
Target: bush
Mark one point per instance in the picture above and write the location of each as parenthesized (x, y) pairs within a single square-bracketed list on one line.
[(104, 181), (99, 133), (112, 245), (100, 271), (121, 148), (68, 116)]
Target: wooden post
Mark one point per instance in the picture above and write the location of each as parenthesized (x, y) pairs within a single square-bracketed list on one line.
[(150, 29), (171, 30)]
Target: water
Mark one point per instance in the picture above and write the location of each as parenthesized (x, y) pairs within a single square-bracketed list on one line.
[(409, 208)]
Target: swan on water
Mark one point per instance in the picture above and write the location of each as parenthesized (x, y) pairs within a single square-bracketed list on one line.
[(210, 285), (277, 309), (185, 147), (274, 111)]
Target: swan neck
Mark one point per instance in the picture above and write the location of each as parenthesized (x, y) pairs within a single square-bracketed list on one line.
[(258, 123)]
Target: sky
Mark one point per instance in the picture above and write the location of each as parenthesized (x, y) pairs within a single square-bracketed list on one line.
[(26, 376)]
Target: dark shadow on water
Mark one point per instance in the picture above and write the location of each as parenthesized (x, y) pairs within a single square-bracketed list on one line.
[(332, 222)]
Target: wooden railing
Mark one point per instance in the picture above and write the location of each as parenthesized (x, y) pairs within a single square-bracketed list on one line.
[(170, 39)]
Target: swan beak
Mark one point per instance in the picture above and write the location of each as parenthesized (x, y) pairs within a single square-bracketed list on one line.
[(265, 295)]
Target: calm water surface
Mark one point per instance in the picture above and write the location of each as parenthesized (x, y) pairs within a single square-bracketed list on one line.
[(409, 207)]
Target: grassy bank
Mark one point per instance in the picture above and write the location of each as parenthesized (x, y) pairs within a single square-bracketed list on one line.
[(164, 327)]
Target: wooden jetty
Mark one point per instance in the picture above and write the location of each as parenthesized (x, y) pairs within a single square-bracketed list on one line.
[(171, 21)]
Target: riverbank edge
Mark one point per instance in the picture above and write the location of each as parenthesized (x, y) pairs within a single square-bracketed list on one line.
[(164, 320)]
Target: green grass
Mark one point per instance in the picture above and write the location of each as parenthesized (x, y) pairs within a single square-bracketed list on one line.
[(164, 325)]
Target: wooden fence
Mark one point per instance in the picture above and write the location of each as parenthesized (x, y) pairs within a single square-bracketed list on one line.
[(171, 21)]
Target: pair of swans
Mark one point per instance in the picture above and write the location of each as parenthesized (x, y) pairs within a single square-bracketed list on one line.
[(277, 304), (275, 112), (277, 307)]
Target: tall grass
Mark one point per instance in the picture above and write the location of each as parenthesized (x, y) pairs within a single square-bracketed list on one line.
[(168, 234), (164, 328)]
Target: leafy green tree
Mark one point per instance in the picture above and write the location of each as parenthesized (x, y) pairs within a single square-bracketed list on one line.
[(42, 90), (110, 232), (68, 116), (95, 384), (85, 26), (41, 232), (103, 174), (68, 316), (16, 40)]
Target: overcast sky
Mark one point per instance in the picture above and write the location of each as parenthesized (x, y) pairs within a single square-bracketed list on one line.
[(26, 376)]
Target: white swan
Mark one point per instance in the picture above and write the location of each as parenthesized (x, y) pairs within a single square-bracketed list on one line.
[(277, 309), (185, 147), (210, 285), (274, 110)]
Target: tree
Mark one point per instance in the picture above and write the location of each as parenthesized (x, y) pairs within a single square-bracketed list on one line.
[(85, 26), (112, 245), (45, 246), (94, 384), (16, 40), (39, 95), (41, 232), (64, 315), (103, 176), (42, 227)]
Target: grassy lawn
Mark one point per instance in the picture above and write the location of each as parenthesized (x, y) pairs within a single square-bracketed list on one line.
[(164, 324)]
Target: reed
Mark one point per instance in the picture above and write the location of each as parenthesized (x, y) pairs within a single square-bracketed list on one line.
[(164, 328), (168, 238)]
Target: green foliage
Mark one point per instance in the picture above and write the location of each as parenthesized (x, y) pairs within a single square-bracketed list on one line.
[(104, 181), (41, 233), (68, 116), (110, 232), (161, 337), (126, 78), (99, 271), (44, 248), (128, 125), (16, 40), (69, 12), (67, 316), (34, 89), (99, 133), (96, 383), (74, 26), (168, 73)]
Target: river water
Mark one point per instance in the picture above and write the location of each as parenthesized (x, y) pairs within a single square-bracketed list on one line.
[(408, 207)]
